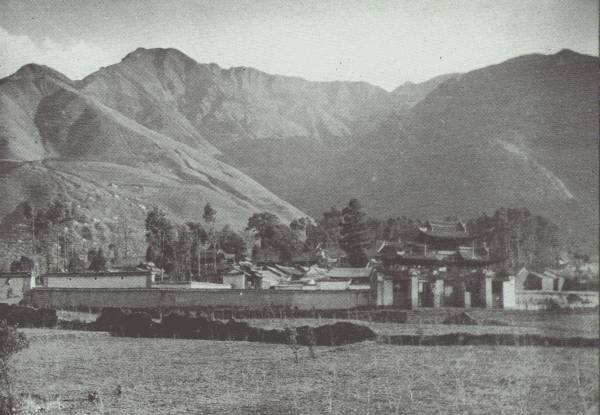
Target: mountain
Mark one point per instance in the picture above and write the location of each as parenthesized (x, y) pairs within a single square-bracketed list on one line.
[(115, 153), (167, 91), (520, 133), (158, 128), (154, 120), (409, 93)]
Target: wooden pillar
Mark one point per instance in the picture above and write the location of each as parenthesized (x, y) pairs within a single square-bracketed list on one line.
[(388, 292), (487, 299), (438, 293), (460, 293), (413, 287), (509, 294)]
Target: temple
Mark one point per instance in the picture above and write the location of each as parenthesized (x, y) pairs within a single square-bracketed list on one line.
[(444, 266)]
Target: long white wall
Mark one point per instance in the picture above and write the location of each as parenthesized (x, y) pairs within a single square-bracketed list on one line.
[(169, 298), (99, 280)]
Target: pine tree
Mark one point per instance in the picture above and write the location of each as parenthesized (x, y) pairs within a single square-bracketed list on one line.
[(354, 234), (209, 217), (99, 262)]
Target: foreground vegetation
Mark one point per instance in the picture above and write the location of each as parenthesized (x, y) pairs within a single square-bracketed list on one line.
[(195, 376)]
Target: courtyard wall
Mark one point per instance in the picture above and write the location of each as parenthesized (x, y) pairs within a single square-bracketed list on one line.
[(168, 298)]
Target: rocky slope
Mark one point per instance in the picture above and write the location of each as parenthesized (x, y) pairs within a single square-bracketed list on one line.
[(520, 133), (60, 137), (160, 128)]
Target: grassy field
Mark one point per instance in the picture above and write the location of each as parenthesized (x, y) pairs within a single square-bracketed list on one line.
[(164, 376)]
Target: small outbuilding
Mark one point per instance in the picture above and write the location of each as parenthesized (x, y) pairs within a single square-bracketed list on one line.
[(14, 284), (530, 280)]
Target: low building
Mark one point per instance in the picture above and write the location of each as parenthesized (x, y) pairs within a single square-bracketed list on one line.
[(237, 279), (531, 280), (269, 278), (14, 284), (359, 276), (444, 266), (193, 285), (104, 279)]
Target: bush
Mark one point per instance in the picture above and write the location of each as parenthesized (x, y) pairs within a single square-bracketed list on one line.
[(574, 298), (140, 324), (28, 316), (116, 321), (336, 334), (553, 306), (11, 342)]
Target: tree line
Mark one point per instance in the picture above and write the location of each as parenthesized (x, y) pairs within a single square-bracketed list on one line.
[(191, 249), (196, 247)]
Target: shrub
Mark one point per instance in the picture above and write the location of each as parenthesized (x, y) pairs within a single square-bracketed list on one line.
[(11, 342), (27, 316), (553, 305), (574, 298)]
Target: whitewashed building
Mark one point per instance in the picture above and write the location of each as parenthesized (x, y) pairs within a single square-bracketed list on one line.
[(104, 279)]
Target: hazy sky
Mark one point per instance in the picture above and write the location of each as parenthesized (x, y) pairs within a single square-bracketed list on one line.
[(382, 42)]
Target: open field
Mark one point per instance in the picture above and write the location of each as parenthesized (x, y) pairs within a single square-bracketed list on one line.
[(574, 323), (210, 377)]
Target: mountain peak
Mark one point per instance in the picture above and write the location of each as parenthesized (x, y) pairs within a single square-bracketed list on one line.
[(566, 52), (155, 53), (32, 71), (570, 56)]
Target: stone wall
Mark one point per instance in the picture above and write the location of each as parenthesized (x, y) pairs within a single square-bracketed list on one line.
[(541, 300), (157, 298)]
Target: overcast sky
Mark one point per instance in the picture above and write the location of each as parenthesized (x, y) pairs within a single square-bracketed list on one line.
[(382, 42)]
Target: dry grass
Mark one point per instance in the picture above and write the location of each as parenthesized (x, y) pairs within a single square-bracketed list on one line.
[(194, 376)]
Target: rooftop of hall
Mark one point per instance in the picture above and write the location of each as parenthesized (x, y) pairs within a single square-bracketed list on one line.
[(445, 229)]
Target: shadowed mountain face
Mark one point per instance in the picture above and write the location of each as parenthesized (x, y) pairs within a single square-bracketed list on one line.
[(521, 133), (159, 128), (122, 150)]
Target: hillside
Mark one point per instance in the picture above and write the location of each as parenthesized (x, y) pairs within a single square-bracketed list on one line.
[(59, 139), (159, 128), (520, 133)]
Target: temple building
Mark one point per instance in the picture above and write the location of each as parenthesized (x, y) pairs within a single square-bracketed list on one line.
[(444, 266)]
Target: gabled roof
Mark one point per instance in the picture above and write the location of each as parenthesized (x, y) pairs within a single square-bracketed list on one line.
[(440, 229), (16, 274), (438, 259), (347, 272), (290, 270), (268, 275), (390, 246), (275, 270), (544, 276)]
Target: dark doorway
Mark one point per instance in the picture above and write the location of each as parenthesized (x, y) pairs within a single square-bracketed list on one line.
[(425, 294), (475, 292), (402, 293), (497, 294)]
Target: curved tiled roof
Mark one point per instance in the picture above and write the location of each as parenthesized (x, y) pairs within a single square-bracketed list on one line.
[(439, 229)]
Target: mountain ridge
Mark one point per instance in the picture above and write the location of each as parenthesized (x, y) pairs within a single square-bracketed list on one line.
[(477, 140)]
